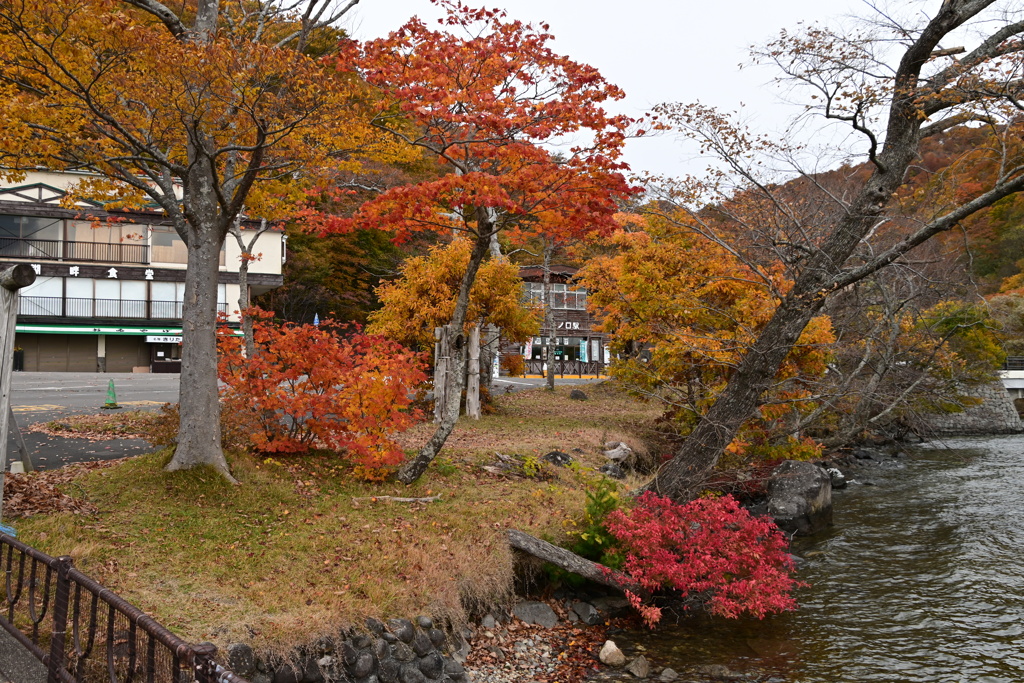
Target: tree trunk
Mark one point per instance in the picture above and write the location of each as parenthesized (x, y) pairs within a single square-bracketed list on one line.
[(12, 279), (571, 562), (413, 469), (473, 379), (244, 301), (549, 317), (442, 366), (489, 349), (682, 477), (199, 431)]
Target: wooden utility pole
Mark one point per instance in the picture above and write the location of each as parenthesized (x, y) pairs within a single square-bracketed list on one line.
[(11, 280)]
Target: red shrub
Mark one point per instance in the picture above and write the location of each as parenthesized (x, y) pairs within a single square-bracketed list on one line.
[(711, 546), (309, 386)]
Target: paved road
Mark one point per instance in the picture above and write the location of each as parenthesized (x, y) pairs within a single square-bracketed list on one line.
[(43, 396), (16, 664), (47, 395), (520, 383)]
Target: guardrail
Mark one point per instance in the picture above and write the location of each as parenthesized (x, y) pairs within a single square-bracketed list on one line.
[(85, 633), (571, 368)]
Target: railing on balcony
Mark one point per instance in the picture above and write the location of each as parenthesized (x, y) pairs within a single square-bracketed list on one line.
[(1014, 363), (55, 306), (55, 250), (573, 300)]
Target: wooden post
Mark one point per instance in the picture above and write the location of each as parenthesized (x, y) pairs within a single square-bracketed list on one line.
[(11, 280), (473, 377), (26, 459)]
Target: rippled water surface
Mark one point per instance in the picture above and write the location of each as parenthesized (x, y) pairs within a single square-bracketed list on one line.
[(921, 579)]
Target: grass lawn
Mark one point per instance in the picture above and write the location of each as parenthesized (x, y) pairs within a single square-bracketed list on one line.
[(299, 549)]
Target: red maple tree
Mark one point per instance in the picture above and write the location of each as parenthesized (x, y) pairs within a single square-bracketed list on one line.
[(521, 128)]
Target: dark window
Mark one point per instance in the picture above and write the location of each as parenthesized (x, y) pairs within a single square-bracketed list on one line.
[(31, 228)]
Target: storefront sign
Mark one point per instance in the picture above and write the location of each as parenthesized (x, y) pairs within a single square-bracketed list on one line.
[(156, 339)]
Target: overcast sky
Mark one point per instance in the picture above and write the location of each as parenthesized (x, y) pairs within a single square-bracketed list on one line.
[(656, 50)]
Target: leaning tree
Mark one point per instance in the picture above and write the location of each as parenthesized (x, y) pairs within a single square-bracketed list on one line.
[(899, 79)]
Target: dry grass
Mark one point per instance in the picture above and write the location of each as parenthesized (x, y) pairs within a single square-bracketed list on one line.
[(289, 556), (538, 421)]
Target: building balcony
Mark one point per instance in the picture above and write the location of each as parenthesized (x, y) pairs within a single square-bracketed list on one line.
[(62, 307), (574, 300), (66, 250)]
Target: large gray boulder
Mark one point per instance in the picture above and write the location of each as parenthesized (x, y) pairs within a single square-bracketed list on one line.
[(800, 497), (533, 612)]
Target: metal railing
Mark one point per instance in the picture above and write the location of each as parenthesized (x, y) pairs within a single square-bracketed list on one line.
[(84, 633), (54, 250), (1014, 363), (572, 368), (573, 300), (103, 308)]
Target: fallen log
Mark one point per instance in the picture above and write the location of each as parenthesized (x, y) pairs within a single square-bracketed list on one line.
[(395, 499), (571, 562)]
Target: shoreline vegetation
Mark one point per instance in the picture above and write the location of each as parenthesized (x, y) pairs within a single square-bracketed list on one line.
[(302, 550)]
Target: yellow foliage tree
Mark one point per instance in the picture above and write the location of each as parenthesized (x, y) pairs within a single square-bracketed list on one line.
[(423, 298)]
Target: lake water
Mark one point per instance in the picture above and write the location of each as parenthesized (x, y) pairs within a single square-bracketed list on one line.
[(920, 579)]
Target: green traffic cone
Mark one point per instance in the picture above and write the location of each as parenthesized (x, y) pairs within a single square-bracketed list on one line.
[(111, 397)]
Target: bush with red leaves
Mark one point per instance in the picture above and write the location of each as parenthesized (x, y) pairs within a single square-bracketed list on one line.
[(313, 387), (708, 546)]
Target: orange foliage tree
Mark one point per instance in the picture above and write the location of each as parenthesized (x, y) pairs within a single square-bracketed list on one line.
[(681, 311), (208, 111), (492, 102), (311, 386)]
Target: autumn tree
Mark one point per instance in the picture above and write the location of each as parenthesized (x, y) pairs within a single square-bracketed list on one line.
[(332, 274), (490, 99), (209, 110), (910, 343), (894, 83), (423, 298), (681, 311)]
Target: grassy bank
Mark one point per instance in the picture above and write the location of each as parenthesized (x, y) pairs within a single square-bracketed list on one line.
[(300, 549)]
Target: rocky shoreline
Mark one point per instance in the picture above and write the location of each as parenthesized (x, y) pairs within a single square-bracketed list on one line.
[(574, 645), (568, 638)]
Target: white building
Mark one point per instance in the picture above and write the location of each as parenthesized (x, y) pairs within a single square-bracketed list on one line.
[(109, 286)]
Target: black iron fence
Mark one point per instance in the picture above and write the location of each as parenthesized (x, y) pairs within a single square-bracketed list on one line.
[(84, 633), (52, 250), (563, 368)]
